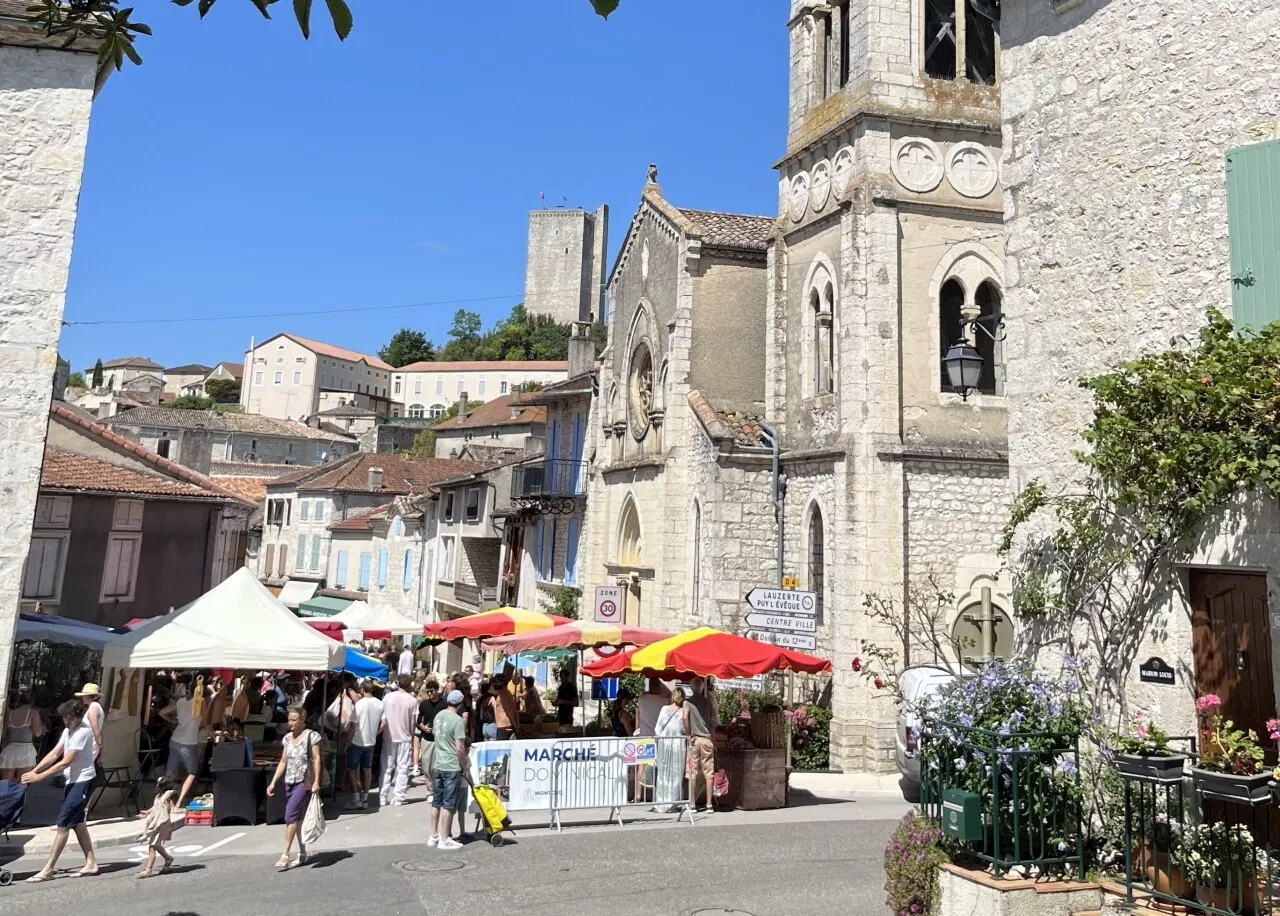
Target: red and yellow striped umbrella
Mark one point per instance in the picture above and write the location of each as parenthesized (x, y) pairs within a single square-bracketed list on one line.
[(706, 653), (504, 621), (576, 634)]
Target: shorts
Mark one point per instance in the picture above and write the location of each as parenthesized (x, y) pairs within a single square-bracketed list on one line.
[(186, 756), (296, 799), (74, 802), (448, 786), (359, 758)]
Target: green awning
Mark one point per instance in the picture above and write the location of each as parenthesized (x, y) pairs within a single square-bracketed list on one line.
[(322, 606)]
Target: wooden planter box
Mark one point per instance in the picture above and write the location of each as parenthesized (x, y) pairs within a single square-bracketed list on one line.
[(1247, 790), (1153, 769), (757, 779)]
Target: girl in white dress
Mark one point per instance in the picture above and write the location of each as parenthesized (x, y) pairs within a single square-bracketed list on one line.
[(157, 827)]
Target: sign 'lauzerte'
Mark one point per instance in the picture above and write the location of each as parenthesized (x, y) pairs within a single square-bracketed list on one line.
[(783, 601)]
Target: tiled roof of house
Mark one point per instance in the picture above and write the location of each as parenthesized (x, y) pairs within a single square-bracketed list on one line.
[(325, 349), (250, 488), (222, 421), (132, 362), (116, 442), (64, 470), (514, 365), (190, 369), (364, 521), (723, 422), (497, 413), (255, 469), (236, 369), (489, 454), (401, 474), (565, 388), (731, 230)]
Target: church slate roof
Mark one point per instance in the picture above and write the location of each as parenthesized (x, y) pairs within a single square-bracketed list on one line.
[(731, 230)]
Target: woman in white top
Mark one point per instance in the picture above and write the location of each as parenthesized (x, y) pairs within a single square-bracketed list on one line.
[(186, 744), (22, 726), (672, 732)]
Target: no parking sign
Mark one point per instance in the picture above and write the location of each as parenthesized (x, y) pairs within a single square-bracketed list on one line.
[(608, 604)]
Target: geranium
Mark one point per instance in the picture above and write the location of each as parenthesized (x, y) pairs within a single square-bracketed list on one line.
[(1147, 740), (1208, 703), (857, 664), (1225, 748)]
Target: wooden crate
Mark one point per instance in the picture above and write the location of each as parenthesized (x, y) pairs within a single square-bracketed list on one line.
[(757, 778), (769, 729)]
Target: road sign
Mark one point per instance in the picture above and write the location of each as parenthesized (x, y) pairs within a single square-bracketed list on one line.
[(791, 582), (608, 604), (785, 623), (800, 641), (783, 601)]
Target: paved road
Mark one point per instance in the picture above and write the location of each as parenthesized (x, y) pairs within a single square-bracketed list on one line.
[(828, 863)]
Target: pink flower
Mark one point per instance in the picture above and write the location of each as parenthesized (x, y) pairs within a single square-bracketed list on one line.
[(879, 682), (1209, 703), (857, 664), (1141, 732), (1273, 729)]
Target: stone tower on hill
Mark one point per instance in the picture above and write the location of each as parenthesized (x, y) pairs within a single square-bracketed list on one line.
[(564, 271)]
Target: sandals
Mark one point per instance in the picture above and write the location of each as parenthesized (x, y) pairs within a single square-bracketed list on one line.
[(85, 873), (303, 858), (145, 873), (40, 877), (282, 863)]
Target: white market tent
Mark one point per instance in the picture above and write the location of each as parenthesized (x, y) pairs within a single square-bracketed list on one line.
[(236, 624), (359, 616)]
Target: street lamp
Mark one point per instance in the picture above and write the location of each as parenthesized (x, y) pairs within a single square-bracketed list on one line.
[(963, 362)]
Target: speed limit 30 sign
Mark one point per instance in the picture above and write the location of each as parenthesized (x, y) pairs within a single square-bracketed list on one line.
[(608, 604)]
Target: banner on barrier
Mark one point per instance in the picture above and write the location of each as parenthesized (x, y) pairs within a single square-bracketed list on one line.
[(520, 771)]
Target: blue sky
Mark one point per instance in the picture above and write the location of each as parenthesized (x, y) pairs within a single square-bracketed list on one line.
[(244, 171)]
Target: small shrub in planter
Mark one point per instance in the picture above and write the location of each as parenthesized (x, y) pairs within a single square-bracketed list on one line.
[(1230, 765), (1145, 754), (911, 862)]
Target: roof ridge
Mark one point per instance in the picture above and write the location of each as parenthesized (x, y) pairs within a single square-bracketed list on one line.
[(173, 469), (768, 219)]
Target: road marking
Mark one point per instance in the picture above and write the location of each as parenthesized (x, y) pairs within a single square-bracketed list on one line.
[(222, 842), (183, 850)]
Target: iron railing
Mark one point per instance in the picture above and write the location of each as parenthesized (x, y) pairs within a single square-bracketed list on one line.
[(549, 486), (1192, 846), (1029, 790), (474, 594)]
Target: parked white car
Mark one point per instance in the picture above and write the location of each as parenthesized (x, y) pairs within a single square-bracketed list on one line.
[(916, 683)]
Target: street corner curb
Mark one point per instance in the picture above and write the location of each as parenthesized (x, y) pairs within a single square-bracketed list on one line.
[(42, 846)]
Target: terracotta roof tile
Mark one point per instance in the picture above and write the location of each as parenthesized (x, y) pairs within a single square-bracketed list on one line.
[(251, 488), (515, 365), (236, 369), (726, 422), (67, 471), (497, 413), (401, 474), (362, 522), (325, 349)]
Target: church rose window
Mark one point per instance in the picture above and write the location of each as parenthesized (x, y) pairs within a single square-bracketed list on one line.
[(640, 391)]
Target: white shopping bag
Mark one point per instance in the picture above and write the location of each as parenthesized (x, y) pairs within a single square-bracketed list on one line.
[(313, 820)]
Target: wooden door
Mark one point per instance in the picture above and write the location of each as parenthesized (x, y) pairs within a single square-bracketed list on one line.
[(1231, 641)]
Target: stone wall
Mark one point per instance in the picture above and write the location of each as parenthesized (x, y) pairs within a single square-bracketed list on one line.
[(45, 100)]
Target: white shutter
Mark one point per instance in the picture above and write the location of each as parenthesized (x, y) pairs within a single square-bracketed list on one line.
[(121, 565), (128, 515), (40, 578), (53, 512)]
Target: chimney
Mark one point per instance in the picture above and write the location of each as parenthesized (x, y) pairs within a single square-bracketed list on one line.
[(515, 401), (582, 349), (463, 406), (375, 478)]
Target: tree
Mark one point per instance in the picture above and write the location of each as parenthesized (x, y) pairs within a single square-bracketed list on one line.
[(223, 390), (464, 337), (104, 22), (96, 379), (407, 346), (424, 444), (191, 402), (76, 380)]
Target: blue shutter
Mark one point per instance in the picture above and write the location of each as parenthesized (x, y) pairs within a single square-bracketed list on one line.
[(551, 482), (300, 559), (408, 568), (382, 568), (366, 561), (571, 553), (550, 573), (319, 510), (579, 441), (537, 549), (340, 577)]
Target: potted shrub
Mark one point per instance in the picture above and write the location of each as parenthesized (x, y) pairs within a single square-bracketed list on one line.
[(1145, 754), (1223, 865), (1230, 765)]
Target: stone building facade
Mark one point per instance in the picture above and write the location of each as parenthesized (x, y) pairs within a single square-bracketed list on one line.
[(566, 262), (46, 94), (1118, 121)]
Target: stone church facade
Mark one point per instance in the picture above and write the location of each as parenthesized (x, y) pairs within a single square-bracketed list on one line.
[(830, 331)]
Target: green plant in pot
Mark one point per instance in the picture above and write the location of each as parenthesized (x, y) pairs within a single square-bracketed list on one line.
[(1145, 754), (1224, 865), (1230, 765)]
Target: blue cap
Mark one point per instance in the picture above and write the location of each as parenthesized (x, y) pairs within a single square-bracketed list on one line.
[(454, 698)]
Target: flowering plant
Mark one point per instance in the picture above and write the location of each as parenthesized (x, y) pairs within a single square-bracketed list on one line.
[(911, 863), (1225, 748), (1146, 739), (1217, 855)]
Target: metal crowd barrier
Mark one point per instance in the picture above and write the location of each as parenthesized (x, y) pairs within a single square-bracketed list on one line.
[(617, 773)]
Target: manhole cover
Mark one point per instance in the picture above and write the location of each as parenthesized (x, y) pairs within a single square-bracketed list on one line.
[(719, 911), (433, 865)]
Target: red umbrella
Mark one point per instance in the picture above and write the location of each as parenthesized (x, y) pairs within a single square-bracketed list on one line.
[(576, 634), (505, 621), (706, 653), (335, 628)]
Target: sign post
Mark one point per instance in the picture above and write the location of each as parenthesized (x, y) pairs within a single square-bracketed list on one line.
[(783, 601), (608, 604), (783, 617)]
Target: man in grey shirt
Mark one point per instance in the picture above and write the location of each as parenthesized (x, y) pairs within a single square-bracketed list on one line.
[(701, 748)]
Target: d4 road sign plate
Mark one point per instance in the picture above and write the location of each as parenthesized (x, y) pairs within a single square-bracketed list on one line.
[(799, 641), (785, 623), (783, 601)]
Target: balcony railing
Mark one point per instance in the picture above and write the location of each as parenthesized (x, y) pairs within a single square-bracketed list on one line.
[(475, 595), (551, 486)]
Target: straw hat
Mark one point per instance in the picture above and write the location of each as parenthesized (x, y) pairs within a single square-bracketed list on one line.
[(89, 690)]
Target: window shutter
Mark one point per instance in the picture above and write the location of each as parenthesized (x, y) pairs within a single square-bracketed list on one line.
[(315, 553), (300, 558), (537, 547), (408, 569), (128, 515), (382, 567), (319, 513), (304, 508), (340, 577), (571, 553), (269, 567), (1253, 222), (117, 574), (40, 579), (550, 544), (284, 560), (365, 562)]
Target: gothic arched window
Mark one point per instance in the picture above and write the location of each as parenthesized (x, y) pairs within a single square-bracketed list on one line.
[(987, 299), (951, 313), (817, 561)]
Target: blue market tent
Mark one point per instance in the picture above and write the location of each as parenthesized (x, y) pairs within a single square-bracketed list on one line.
[(362, 665)]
